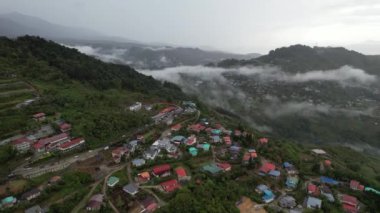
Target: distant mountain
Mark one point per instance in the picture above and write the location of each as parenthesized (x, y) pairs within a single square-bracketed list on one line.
[(300, 58), (143, 56), (16, 24), (112, 49)]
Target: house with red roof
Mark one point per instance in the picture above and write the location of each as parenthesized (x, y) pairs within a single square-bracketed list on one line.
[(167, 109), (72, 144), (65, 127), (349, 204), (181, 174), (196, 128), (312, 189), (143, 177), (355, 185), (118, 153), (224, 166), (170, 185), (191, 140), (263, 141), (39, 147), (253, 155), (176, 127), (327, 163), (50, 143), (227, 140), (161, 170), (266, 168), (40, 116), (22, 145), (249, 155)]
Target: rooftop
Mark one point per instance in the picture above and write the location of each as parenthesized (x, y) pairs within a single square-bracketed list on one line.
[(212, 168), (112, 180)]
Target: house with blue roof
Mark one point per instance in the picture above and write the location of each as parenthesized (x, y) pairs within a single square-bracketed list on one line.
[(328, 180), (274, 173), (138, 162), (287, 165), (268, 196)]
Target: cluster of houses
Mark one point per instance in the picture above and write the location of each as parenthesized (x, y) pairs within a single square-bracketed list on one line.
[(148, 204), (350, 204), (45, 139), (162, 171), (202, 135), (29, 196)]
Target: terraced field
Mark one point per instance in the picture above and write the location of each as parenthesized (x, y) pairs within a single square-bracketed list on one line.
[(14, 93)]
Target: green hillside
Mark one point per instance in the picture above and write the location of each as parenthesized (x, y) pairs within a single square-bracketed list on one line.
[(87, 92)]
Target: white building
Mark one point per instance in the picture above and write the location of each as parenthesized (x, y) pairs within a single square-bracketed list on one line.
[(151, 153), (135, 107)]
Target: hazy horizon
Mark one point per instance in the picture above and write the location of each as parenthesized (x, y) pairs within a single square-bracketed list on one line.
[(241, 27)]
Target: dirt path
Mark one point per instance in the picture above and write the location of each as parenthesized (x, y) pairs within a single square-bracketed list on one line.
[(83, 202), (104, 188), (160, 202)]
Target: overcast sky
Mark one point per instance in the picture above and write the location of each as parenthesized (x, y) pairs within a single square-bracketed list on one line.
[(232, 25)]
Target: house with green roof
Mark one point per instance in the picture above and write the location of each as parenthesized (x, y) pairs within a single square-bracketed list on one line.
[(205, 147), (112, 181), (8, 202), (193, 151), (211, 168)]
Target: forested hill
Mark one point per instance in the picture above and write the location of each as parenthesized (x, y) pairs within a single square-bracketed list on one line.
[(301, 58), (36, 58), (92, 95)]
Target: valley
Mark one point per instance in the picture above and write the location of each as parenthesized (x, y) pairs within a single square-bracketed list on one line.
[(335, 105)]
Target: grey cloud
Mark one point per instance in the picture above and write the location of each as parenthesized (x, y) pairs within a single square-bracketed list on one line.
[(114, 55), (346, 75)]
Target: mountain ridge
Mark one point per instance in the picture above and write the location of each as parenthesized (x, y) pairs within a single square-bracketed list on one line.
[(303, 58), (135, 53)]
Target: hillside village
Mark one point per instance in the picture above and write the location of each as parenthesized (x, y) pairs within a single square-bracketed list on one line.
[(180, 148)]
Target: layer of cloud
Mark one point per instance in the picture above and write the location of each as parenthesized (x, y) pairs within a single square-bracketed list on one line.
[(345, 75), (213, 87), (113, 55), (276, 108)]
